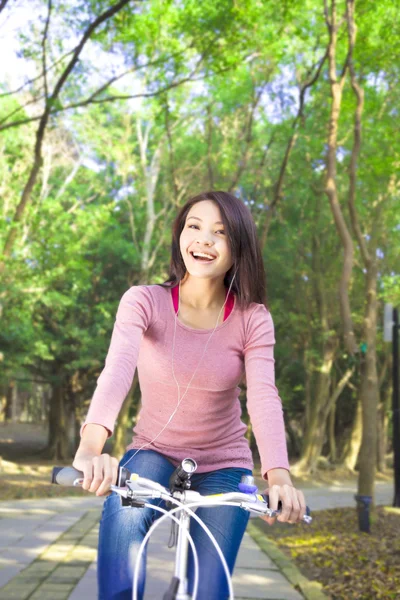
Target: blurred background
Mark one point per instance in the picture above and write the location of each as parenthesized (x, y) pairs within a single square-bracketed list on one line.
[(112, 114)]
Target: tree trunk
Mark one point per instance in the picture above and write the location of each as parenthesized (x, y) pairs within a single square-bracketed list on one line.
[(315, 433), (352, 448), (380, 445), (317, 410), (331, 434), (293, 431), (336, 88), (77, 429), (308, 368), (58, 447), (119, 442), (383, 420), (10, 409), (369, 390)]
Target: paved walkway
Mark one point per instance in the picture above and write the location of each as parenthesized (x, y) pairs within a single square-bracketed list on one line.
[(48, 550)]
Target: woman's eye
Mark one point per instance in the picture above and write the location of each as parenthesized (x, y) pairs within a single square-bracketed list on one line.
[(220, 230)]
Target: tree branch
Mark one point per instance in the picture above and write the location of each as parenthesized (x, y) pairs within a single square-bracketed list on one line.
[(3, 4), (261, 165), (171, 147), (247, 139), (37, 160), (136, 68), (355, 151), (96, 23), (68, 179), (92, 99), (326, 14), (278, 187), (29, 81), (44, 41), (17, 110)]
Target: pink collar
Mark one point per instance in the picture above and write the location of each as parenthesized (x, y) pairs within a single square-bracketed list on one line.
[(228, 305)]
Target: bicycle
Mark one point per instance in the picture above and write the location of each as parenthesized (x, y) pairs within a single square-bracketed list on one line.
[(134, 490)]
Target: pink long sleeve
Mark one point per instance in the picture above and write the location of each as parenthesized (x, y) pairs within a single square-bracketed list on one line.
[(263, 401), (135, 313)]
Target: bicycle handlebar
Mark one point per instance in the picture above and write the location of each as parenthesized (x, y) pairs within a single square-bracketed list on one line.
[(67, 476), (136, 489)]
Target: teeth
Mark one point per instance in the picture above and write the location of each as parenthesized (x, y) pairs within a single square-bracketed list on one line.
[(203, 254)]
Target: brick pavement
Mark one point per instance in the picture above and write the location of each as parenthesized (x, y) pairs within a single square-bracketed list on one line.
[(50, 554), (48, 551)]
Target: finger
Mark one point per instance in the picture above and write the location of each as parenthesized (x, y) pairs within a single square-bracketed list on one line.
[(87, 474), (303, 505), (114, 468), (287, 503), (294, 515), (97, 473), (273, 494), (107, 475)]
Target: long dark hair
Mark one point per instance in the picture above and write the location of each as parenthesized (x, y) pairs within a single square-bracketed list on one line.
[(249, 284)]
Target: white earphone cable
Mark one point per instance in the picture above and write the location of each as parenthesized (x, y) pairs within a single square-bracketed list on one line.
[(173, 372)]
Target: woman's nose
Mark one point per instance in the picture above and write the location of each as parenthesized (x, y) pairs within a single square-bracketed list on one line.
[(204, 242), (204, 239)]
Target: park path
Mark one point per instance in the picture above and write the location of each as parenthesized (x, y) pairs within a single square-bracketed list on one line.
[(48, 550)]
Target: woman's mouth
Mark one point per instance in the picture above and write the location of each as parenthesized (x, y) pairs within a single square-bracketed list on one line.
[(202, 259)]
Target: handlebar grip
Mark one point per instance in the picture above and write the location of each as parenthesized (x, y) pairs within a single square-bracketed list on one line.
[(67, 475), (266, 498)]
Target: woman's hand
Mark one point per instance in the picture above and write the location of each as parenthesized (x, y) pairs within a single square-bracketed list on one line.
[(99, 471), (293, 504), (293, 501)]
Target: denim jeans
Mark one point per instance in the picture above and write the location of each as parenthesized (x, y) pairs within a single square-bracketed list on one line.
[(122, 529)]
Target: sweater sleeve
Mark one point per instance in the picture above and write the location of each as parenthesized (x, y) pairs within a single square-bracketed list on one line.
[(135, 314), (263, 402)]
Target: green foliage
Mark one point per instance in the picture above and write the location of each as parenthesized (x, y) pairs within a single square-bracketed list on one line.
[(108, 167)]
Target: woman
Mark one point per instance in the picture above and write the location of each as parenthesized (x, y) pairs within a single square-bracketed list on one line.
[(202, 330)]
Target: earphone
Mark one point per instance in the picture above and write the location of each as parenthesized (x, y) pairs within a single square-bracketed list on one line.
[(173, 348)]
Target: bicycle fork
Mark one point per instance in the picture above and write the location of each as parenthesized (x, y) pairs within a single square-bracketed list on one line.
[(178, 586)]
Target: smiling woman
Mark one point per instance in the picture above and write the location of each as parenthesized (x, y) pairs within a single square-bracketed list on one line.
[(215, 264)]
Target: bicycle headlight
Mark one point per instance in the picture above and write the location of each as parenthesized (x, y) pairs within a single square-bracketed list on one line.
[(189, 465)]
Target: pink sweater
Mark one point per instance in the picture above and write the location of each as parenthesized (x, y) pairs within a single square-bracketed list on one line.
[(207, 425)]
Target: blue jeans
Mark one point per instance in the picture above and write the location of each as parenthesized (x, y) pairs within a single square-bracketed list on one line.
[(122, 530)]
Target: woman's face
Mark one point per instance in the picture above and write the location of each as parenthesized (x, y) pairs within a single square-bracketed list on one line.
[(206, 233)]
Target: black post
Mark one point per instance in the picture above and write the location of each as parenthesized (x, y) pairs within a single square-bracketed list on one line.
[(396, 411), (363, 510)]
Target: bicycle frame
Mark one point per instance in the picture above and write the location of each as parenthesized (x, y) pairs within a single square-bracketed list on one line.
[(181, 557)]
